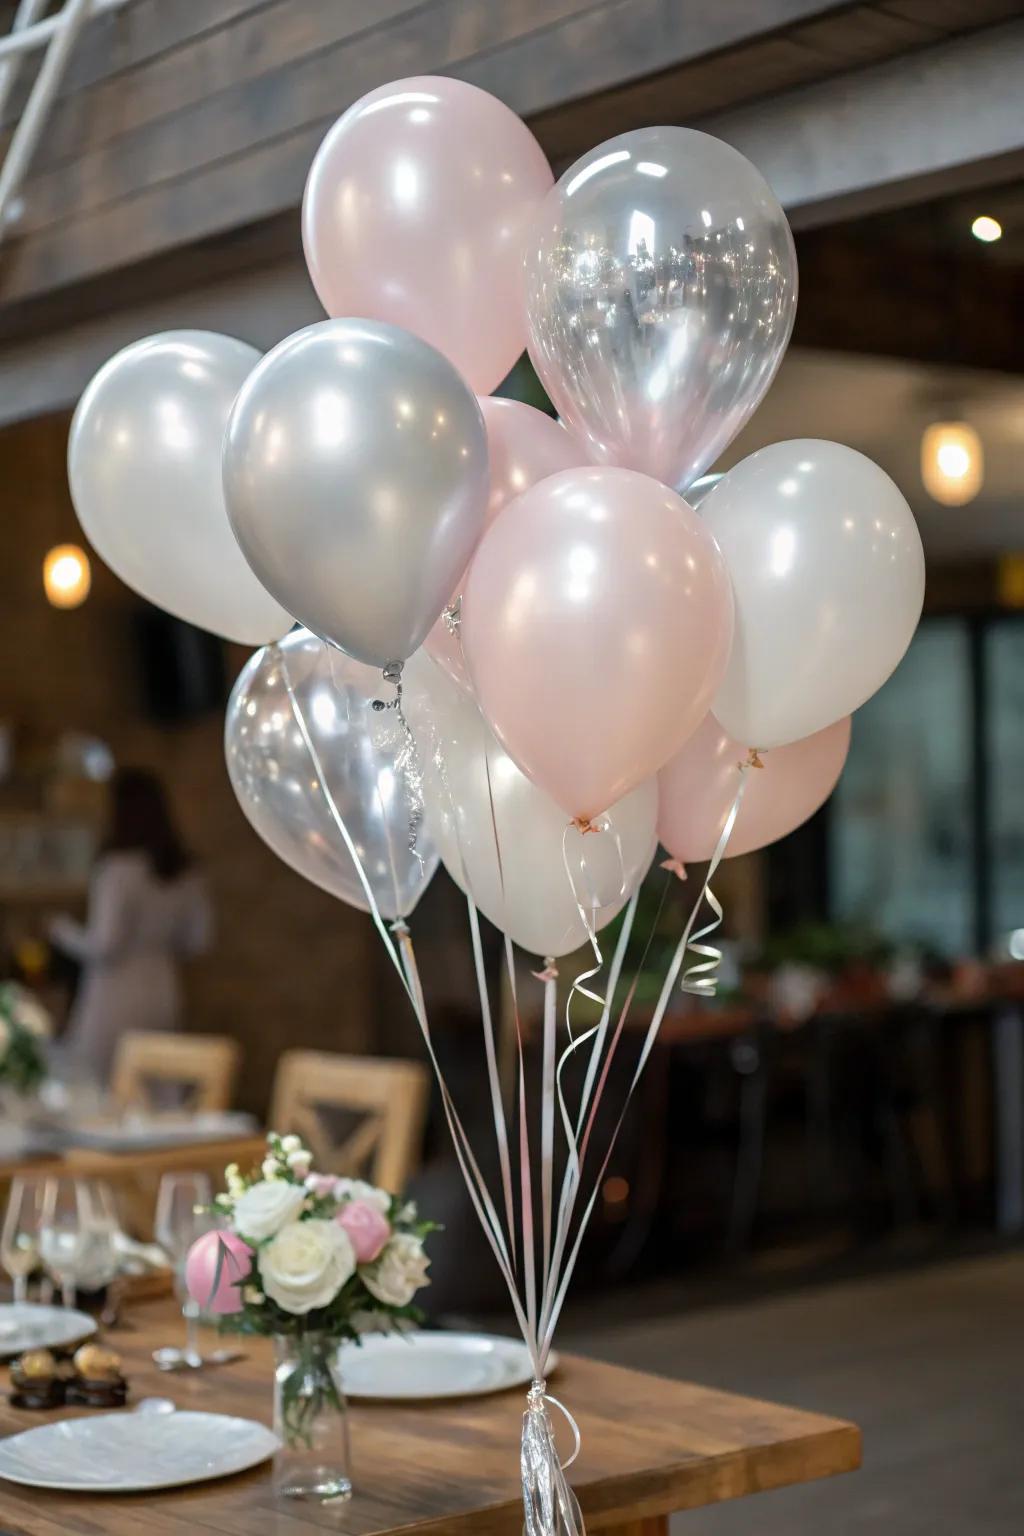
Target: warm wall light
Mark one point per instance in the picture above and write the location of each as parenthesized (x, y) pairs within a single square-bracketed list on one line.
[(952, 462), (986, 228), (66, 576)]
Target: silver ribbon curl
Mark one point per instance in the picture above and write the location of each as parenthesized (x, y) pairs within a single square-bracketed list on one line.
[(550, 1508)]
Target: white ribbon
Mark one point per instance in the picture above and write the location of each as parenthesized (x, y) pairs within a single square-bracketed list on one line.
[(550, 1506)]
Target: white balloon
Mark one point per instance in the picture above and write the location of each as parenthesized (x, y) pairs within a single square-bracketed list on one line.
[(528, 895), (144, 465), (828, 575)]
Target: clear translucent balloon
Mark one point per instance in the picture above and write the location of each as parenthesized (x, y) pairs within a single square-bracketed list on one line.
[(473, 790), (355, 471), (144, 469), (661, 289), (827, 573), (368, 766)]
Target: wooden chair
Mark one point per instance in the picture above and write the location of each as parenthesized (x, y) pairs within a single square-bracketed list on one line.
[(316, 1092), (150, 1065)]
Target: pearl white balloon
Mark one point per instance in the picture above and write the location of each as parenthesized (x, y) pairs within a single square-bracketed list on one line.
[(528, 895), (828, 576), (144, 465)]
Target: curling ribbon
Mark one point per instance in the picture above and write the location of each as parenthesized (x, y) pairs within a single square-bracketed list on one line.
[(560, 1281), (550, 1507), (701, 980)]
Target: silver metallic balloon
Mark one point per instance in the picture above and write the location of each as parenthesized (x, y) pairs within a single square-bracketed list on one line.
[(661, 290), (355, 473), (368, 766)]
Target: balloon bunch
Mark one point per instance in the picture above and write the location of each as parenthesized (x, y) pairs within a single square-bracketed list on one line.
[(522, 650)]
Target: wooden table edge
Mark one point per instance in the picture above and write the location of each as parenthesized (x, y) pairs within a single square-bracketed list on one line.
[(835, 1451)]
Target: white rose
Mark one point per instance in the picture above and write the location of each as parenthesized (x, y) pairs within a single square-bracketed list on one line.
[(306, 1264), (290, 1144), (358, 1189), (31, 1016), (265, 1208), (399, 1272), (299, 1163), (270, 1167)]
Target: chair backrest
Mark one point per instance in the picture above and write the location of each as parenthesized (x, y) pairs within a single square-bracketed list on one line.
[(317, 1094), (161, 1070)]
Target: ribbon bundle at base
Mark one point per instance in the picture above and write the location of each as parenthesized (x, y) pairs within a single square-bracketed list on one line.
[(550, 1508)]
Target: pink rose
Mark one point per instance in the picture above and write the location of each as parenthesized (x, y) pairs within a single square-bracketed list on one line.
[(367, 1229), (217, 1263), (321, 1185)]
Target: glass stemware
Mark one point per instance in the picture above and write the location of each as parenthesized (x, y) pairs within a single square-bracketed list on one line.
[(100, 1260), (63, 1232), (19, 1238), (182, 1216)]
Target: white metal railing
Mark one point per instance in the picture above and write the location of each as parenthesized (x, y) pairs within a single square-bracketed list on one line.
[(30, 30)]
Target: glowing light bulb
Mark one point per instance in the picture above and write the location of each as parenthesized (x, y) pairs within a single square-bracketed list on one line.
[(986, 228), (66, 576), (952, 462)]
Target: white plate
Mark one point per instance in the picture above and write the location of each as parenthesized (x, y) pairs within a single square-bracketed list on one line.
[(425, 1365), (143, 1133), (24, 1325), (134, 1452)]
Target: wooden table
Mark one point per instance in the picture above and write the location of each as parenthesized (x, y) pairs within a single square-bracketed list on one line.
[(650, 1446)]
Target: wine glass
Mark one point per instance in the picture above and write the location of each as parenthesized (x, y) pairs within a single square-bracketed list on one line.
[(19, 1239), (182, 1215), (63, 1232), (100, 1260)]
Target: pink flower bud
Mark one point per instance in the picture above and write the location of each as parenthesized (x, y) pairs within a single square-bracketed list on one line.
[(217, 1263), (321, 1185), (367, 1228)]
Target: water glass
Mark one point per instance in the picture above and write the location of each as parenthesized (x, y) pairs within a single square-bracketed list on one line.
[(100, 1258), (63, 1232), (182, 1215)]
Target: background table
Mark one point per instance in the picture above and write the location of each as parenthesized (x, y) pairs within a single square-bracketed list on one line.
[(650, 1446)]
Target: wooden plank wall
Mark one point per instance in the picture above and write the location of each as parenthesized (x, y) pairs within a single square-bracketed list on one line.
[(182, 121)]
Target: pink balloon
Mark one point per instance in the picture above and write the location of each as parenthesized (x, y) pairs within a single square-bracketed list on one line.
[(697, 788), (416, 211), (219, 1293), (523, 446), (596, 626)]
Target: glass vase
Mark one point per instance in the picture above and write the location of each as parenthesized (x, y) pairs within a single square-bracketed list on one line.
[(310, 1418)]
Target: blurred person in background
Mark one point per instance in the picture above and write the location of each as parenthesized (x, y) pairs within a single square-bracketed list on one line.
[(148, 911)]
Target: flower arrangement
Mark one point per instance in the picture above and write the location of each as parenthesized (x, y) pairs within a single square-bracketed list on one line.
[(311, 1260), (306, 1252), (24, 1027)]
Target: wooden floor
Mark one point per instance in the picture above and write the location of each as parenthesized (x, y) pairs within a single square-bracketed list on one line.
[(929, 1363)]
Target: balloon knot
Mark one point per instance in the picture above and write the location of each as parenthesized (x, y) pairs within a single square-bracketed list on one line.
[(452, 616), (550, 971), (754, 760), (584, 824), (675, 867)]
